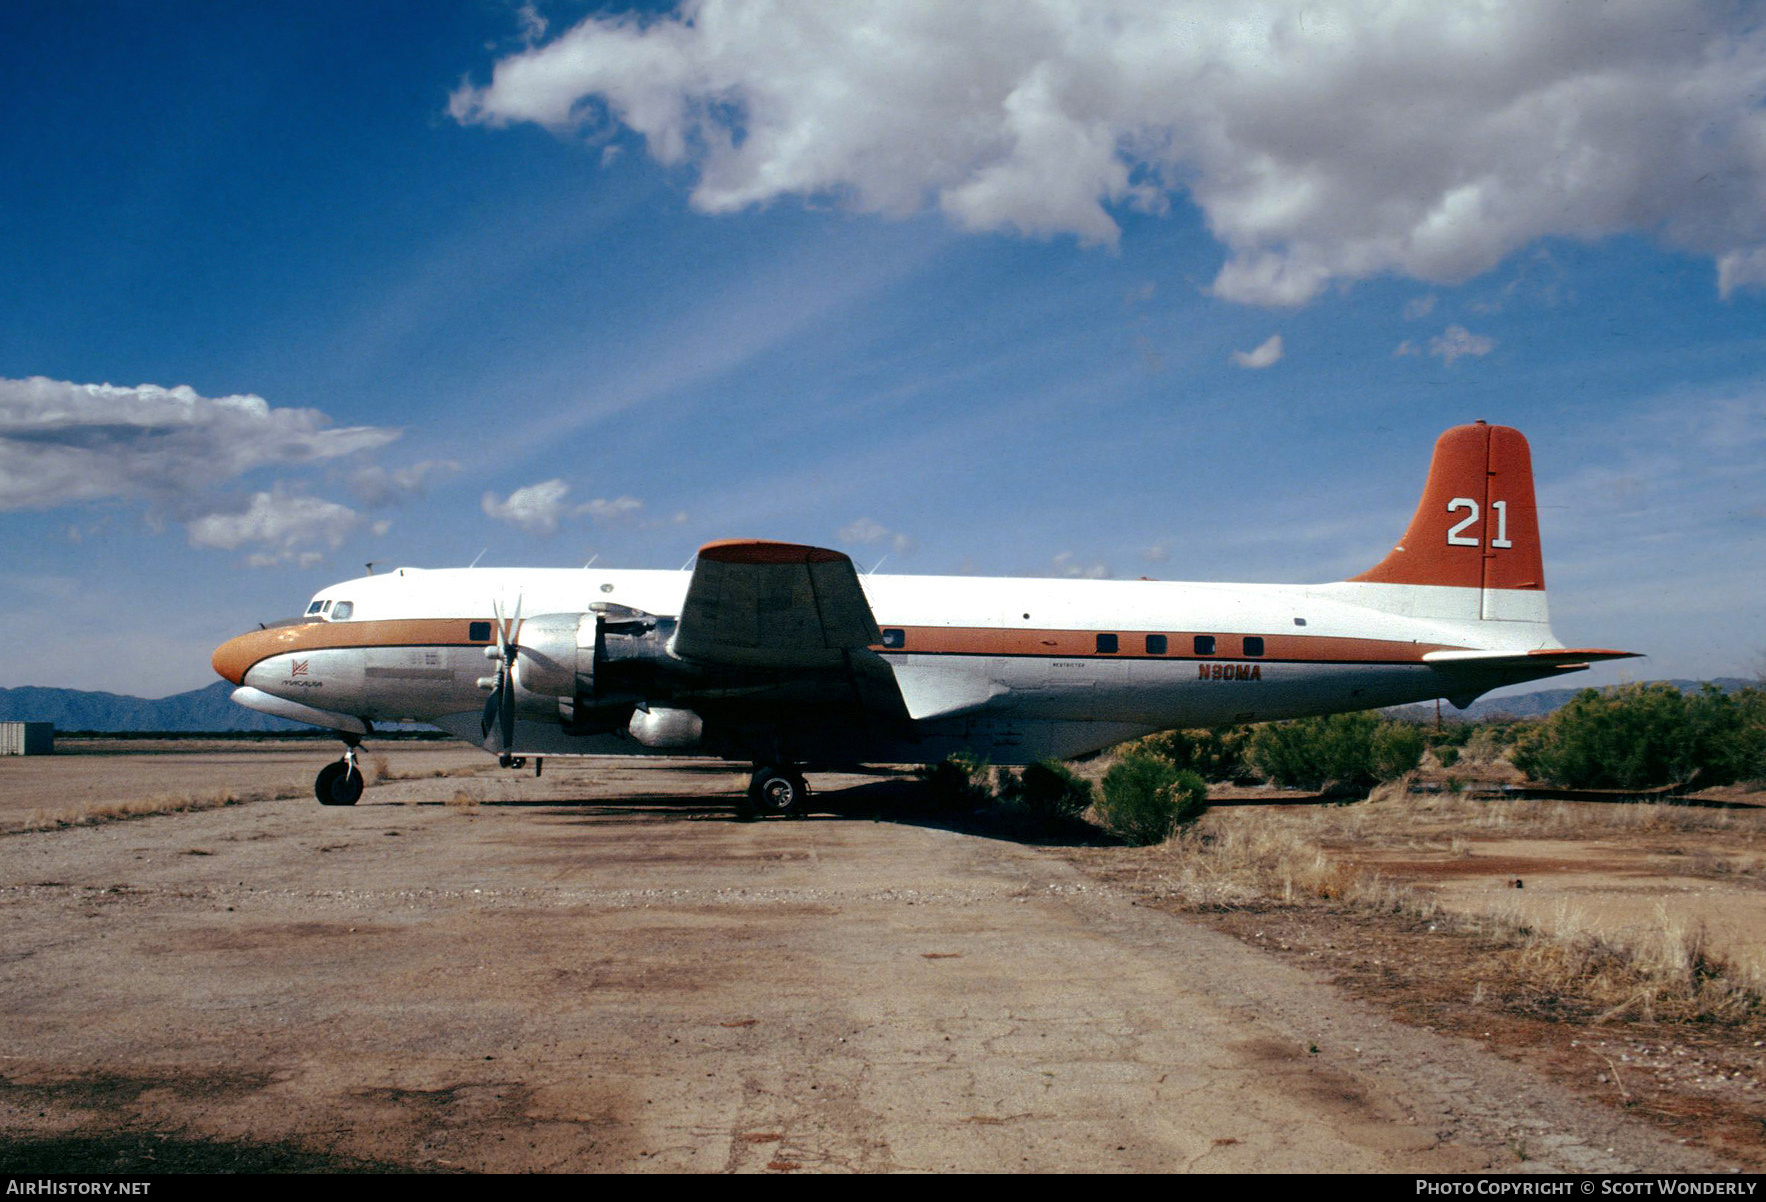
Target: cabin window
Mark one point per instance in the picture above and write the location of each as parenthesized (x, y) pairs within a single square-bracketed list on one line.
[(1155, 644), (1254, 645), (895, 640), (1106, 644), (341, 611), (1204, 644), (479, 632)]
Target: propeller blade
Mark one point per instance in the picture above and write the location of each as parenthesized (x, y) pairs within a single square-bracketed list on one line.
[(499, 707), (491, 707), (507, 715)]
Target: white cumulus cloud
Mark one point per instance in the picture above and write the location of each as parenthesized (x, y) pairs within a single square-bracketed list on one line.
[(62, 443), (289, 527), (868, 532), (1066, 564), (377, 486), (1267, 354), (1324, 141), (1456, 341), (536, 508)]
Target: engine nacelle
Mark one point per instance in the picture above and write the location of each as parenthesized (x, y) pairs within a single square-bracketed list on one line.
[(556, 660)]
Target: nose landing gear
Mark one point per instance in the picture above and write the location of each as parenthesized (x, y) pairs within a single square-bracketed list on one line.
[(775, 790), (339, 783)]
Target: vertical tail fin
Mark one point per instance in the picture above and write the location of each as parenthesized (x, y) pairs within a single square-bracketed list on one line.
[(1476, 528)]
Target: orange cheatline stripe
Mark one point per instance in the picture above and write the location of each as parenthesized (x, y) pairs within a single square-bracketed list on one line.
[(1064, 644), (234, 658)]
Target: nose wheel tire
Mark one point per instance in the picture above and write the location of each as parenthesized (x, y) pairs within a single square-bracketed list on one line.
[(775, 792), (339, 783)]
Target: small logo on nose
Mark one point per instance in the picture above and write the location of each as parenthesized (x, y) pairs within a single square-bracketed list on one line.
[(300, 668)]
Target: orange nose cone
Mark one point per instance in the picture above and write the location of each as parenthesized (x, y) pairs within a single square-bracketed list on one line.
[(234, 658)]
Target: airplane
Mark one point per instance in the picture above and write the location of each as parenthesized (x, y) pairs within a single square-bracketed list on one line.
[(782, 656)]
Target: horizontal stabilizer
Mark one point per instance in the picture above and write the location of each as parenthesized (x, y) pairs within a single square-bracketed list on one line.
[(1471, 674), (1564, 658)]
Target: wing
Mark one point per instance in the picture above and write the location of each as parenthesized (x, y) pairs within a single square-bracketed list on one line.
[(774, 605), (790, 609)]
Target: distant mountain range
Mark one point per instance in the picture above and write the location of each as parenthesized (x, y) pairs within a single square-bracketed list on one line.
[(211, 710), (199, 710), (1538, 705)]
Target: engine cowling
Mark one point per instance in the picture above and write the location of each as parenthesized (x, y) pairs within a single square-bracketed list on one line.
[(556, 661)]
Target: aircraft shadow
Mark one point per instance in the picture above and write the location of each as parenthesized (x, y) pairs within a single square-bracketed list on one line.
[(902, 800), (909, 803)]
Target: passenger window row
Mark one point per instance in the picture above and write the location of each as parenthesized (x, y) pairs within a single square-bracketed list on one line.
[(894, 639), (1204, 644)]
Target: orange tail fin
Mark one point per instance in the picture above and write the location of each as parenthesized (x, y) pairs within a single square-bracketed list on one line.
[(1477, 525)]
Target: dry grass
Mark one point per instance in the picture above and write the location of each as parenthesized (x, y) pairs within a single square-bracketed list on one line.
[(467, 795), (1669, 971), (98, 813), (1290, 856), (376, 769)]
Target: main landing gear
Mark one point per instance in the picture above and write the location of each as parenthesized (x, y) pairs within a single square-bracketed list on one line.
[(775, 790), (339, 783)]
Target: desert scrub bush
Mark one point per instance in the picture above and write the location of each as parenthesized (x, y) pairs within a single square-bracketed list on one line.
[(1347, 751), (1647, 735), (1490, 741), (1216, 754), (958, 782), (1447, 755), (1048, 789), (1146, 798), (1449, 734)]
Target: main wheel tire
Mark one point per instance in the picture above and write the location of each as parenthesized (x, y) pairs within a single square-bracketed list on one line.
[(778, 793), (339, 783)]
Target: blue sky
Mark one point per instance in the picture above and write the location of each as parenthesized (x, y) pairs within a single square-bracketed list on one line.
[(958, 288)]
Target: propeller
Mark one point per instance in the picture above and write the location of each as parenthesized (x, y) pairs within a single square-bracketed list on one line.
[(499, 707)]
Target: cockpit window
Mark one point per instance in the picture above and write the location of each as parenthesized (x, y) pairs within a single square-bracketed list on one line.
[(342, 610), (315, 607)]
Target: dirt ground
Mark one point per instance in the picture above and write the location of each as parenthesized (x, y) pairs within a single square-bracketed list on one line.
[(602, 970), (1518, 924), (86, 773)]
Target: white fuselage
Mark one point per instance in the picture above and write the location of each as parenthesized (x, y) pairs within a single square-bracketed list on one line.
[(1012, 669)]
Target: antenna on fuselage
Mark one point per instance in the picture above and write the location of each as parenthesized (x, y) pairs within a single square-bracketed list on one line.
[(592, 559), (370, 566), (476, 558), (875, 566)]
